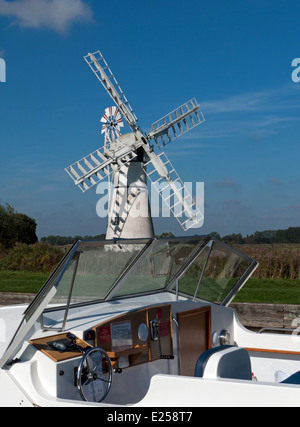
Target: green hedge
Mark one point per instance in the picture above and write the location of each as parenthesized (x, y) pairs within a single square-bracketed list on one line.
[(34, 258)]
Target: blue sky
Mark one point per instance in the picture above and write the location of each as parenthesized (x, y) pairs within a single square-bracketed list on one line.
[(234, 57)]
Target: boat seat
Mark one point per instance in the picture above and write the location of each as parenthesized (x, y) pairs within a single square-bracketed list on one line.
[(224, 362), (293, 379)]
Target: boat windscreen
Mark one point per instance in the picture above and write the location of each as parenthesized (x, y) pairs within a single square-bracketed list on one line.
[(216, 274), (194, 267), (200, 267)]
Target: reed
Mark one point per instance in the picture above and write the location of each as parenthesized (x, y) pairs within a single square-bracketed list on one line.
[(277, 261)]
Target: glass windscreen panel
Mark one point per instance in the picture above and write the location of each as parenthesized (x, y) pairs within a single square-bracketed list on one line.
[(159, 265), (93, 272), (214, 273)]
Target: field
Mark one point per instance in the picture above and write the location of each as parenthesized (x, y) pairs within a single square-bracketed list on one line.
[(270, 291), (275, 291), (276, 281), (21, 281)]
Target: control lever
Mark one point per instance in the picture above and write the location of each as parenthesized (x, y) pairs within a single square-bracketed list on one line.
[(73, 339), (155, 336), (154, 329)]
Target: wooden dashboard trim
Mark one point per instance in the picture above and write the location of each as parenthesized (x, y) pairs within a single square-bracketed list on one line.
[(267, 350), (42, 345)]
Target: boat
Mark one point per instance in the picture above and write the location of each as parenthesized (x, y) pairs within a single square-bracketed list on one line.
[(144, 323)]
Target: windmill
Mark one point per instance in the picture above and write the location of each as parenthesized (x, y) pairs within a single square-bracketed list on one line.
[(130, 158)]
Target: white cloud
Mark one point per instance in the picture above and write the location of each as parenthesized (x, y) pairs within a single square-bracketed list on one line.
[(243, 102), (57, 15), (279, 99), (257, 114)]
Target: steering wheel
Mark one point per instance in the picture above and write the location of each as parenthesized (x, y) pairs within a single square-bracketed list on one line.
[(94, 375)]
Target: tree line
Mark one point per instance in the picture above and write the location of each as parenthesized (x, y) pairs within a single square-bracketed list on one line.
[(68, 240), (290, 235), (17, 227)]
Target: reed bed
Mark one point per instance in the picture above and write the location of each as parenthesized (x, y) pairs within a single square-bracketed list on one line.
[(277, 261)]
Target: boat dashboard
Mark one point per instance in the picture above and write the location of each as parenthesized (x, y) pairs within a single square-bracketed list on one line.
[(139, 337), (115, 359)]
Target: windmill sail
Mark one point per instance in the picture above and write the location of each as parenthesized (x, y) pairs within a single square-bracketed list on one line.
[(102, 71), (173, 192), (97, 166), (176, 123)]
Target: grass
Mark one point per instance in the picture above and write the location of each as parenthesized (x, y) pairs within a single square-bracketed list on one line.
[(270, 291), (21, 281)]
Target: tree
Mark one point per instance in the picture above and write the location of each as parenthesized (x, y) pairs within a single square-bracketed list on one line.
[(16, 227), (167, 235), (216, 235), (234, 239)]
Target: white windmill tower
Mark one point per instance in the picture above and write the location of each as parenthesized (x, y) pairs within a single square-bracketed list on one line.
[(129, 213), (130, 158)]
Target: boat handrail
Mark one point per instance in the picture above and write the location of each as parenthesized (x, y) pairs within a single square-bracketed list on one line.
[(269, 329)]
